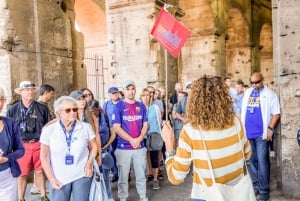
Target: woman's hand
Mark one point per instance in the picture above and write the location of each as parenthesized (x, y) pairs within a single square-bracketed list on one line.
[(3, 159), (88, 168), (56, 184), (167, 134), (99, 159)]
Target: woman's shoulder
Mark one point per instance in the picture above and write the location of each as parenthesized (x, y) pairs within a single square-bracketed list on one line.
[(51, 123), (7, 119), (8, 122), (83, 125)]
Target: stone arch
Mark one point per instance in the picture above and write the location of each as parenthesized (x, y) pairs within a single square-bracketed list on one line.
[(238, 51), (266, 53), (91, 21)]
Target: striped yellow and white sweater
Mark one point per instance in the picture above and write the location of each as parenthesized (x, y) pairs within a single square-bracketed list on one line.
[(224, 150)]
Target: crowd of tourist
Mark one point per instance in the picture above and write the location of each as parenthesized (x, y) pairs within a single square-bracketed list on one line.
[(205, 115)]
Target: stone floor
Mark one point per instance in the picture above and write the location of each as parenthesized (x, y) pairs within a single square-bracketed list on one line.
[(169, 192)]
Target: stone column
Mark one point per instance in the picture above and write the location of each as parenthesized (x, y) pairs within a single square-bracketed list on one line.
[(134, 54), (286, 60)]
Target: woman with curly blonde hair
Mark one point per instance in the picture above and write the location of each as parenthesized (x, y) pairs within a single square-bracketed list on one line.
[(210, 105), (210, 128)]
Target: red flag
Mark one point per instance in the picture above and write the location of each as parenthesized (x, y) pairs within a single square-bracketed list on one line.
[(169, 32)]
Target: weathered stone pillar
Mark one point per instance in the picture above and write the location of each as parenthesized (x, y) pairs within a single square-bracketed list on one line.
[(202, 52), (134, 53), (286, 60), (7, 38), (39, 43)]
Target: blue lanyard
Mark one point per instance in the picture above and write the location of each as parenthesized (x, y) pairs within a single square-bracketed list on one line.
[(25, 111), (68, 134)]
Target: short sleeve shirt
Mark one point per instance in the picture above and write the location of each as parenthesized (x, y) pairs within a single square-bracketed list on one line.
[(131, 117), (54, 137), (254, 122)]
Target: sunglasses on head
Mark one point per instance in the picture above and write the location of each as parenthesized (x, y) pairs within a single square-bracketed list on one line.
[(255, 82), (28, 85), (68, 110)]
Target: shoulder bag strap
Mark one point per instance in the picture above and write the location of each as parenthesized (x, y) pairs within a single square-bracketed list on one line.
[(96, 167), (208, 161), (242, 147), (157, 118)]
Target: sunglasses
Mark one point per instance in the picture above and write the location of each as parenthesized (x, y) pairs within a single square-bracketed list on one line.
[(87, 95), (68, 110), (255, 82)]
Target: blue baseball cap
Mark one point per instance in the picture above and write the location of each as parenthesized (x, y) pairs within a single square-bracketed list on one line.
[(112, 90)]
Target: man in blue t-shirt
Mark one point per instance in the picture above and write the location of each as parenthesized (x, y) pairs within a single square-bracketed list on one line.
[(108, 108), (129, 121), (260, 114)]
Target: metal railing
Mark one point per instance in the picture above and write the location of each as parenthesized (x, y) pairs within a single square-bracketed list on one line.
[(95, 74)]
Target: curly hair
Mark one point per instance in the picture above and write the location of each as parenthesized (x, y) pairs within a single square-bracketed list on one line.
[(209, 104)]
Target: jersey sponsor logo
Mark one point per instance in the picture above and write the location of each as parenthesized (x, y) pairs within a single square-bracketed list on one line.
[(132, 118), (137, 108)]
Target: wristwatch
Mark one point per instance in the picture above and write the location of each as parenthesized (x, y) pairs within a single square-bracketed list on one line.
[(170, 153), (271, 129)]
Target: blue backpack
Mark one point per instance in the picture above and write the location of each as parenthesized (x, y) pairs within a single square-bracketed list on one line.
[(104, 130)]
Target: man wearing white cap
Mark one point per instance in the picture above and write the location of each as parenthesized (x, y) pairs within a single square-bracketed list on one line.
[(31, 117), (129, 120)]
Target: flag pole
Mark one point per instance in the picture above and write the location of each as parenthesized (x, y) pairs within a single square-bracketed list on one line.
[(166, 84), (166, 74)]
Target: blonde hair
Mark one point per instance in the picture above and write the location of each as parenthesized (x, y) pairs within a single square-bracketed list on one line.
[(209, 104), (144, 91)]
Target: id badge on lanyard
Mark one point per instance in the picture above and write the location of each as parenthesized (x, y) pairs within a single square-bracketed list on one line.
[(69, 159)]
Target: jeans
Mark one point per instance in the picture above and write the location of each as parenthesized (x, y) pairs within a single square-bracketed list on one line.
[(80, 189), (114, 169), (260, 165), (107, 182)]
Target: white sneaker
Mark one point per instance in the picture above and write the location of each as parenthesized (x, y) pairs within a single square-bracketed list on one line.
[(111, 199), (35, 190)]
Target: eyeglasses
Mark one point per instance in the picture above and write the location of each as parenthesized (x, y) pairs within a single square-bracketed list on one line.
[(255, 82), (87, 95), (68, 110)]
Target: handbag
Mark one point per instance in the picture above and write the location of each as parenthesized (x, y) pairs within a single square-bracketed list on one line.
[(98, 190), (243, 190), (154, 140)]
